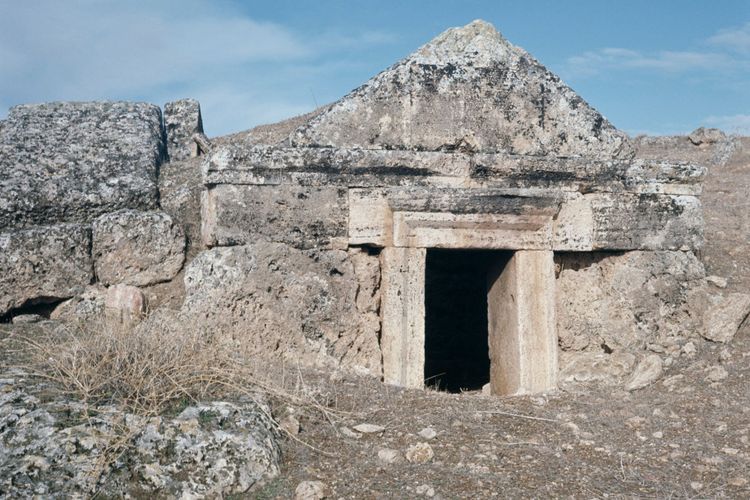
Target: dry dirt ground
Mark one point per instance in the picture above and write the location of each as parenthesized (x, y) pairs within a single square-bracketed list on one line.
[(686, 436), (683, 437)]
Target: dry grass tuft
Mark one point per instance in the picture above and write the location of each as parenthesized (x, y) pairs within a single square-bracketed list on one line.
[(158, 366)]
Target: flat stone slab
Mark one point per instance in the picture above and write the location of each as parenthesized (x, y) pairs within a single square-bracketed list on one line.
[(43, 264), (73, 161), (240, 163)]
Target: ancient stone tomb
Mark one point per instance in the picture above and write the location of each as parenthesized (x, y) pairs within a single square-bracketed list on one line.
[(420, 227), (462, 218)]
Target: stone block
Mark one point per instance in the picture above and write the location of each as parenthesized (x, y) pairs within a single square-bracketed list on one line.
[(43, 264), (522, 324), (137, 248), (182, 119), (71, 162), (301, 216), (124, 305), (626, 221), (402, 315), (180, 189)]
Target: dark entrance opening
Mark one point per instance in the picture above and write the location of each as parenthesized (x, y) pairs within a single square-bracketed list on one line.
[(456, 342)]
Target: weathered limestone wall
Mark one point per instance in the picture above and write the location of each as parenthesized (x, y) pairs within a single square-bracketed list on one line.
[(613, 307), (80, 201), (625, 300), (724, 199), (308, 306)]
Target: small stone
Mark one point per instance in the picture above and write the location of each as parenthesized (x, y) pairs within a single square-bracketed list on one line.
[(419, 453), (487, 389), (346, 431), (369, 428), (695, 485), (730, 451), (717, 281), (671, 382), (725, 355), (124, 305), (428, 433), (389, 456), (573, 427), (310, 490), (426, 490), (689, 350), (25, 319), (716, 373), (646, 373), (657, 348), (738, 481), (290, 425), (658, 434), (635, 422)]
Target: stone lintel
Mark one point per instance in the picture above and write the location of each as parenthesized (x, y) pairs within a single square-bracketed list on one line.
[(502, 219), (491, 231)]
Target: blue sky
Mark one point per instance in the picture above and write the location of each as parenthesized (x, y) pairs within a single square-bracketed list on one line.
[(657, 67)]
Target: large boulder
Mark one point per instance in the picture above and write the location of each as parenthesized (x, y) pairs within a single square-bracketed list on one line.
[(43, 264), (137, 248), (307, 305), (73, 161), (65, 449)]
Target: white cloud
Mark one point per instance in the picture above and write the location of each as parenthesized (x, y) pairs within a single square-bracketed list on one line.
[(728, 48), (144, 50), (737, 39), (608, 59), (88, 47), (734, 124)]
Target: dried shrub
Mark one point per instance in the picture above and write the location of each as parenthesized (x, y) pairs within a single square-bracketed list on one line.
[(159, 365)]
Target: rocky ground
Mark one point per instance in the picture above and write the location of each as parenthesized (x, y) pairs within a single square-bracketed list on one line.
[(685, 436)]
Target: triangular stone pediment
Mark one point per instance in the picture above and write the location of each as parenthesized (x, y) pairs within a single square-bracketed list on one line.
[(469, 89)]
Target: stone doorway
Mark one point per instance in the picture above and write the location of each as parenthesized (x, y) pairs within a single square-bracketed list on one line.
[(520, 317), (456, 317)]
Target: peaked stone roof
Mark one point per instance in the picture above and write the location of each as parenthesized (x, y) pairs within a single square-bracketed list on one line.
[(469, 89)]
